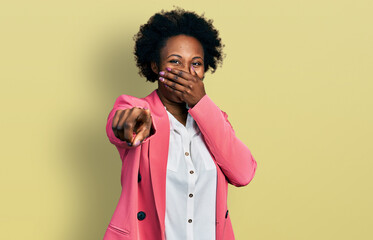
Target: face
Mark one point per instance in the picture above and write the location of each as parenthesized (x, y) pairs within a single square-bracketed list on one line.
[(180, 52)]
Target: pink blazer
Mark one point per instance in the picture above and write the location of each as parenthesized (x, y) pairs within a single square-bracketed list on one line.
[(140, 212)]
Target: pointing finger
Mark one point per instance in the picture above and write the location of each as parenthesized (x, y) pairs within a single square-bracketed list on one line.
[(143, 129)]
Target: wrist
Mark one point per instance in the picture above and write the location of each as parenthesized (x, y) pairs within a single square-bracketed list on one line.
[(191, 105)]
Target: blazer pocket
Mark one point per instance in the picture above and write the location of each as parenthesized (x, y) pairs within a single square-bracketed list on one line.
[(118, 230)]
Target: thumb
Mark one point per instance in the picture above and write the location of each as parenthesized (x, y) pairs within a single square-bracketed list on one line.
[(140, 136)]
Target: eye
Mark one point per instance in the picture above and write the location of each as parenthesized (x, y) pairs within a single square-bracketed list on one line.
[(174, 61), (196, 64)]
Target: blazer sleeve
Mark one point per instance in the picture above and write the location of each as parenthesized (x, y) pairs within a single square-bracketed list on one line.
[(231, 154), (125, 102)]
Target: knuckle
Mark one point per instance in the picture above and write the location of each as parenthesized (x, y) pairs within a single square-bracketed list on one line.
[(147, 114), (149, 118), (118, 127), (127, 125)]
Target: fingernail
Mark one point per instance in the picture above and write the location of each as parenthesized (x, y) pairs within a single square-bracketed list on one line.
[(129, 144), (165, 85), (168, 69), (161, 79), (146, 108), (161, 73), (137, 143)]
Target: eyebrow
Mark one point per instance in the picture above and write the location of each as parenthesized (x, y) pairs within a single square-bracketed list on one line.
[(175, 55)]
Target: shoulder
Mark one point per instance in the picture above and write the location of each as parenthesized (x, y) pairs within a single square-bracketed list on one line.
[(224, 114), (128, 100)]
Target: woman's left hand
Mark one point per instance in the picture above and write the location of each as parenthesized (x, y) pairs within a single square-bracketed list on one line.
[(188, 87)]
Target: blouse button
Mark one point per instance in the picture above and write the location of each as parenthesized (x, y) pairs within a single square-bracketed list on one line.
[(190, 195), (191, 171), (190, 220), (186, 154)]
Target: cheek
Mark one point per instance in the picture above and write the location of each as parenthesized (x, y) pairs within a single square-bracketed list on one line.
[(200, 72), (161, 66), (167, 64)]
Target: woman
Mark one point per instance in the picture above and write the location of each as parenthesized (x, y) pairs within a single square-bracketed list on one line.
[(178, 149)]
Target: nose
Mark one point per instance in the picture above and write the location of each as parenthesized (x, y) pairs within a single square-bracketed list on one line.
[(185, 67), (189, 69)]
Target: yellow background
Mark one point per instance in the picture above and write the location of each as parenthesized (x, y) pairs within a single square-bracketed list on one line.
[(296, 83)]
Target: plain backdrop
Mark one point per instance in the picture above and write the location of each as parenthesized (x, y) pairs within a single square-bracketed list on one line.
[(296, 83)]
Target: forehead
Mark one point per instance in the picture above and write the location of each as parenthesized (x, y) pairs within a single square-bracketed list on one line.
[(182, 45)]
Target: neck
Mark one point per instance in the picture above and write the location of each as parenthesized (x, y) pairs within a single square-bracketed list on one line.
[(175, 108)]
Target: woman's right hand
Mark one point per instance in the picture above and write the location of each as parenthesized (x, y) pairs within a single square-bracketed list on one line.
[(132, 125)]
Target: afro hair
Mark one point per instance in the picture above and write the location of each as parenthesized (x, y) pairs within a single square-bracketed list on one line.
[(153, 36)]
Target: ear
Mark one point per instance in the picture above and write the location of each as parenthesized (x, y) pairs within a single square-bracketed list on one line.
[(154, 67)]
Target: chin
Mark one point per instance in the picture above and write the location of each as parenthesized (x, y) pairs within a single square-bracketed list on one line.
[(173, 98), (176, 99)]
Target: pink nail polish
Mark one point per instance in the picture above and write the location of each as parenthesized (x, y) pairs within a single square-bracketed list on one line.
[(137, 143), (194, 70), (168, 69), (161, 73), (161, 79)]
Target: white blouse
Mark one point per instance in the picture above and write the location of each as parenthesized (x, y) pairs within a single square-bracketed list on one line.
[(190, 184)]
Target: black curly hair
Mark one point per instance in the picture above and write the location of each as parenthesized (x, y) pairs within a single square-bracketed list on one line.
[(153, 36)]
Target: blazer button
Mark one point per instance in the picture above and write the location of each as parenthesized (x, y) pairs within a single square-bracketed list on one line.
[(141, 215), (139, 177)]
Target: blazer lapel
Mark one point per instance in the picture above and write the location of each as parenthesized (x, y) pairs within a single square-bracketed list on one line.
[(158, 154)]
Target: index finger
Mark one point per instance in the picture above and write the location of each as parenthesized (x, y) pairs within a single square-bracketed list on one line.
[(181, 73), (143, 130)]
